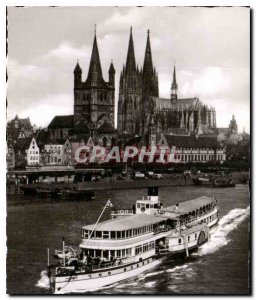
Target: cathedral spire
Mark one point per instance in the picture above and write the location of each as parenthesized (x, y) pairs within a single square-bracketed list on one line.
[(174, 87), (174, 83), (130, 61), (95, 72), (148, 63)]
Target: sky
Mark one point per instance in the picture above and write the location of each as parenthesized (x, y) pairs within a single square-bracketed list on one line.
[(210, 48)]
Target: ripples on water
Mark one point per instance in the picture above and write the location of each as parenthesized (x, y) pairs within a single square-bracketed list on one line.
[(226, 250)]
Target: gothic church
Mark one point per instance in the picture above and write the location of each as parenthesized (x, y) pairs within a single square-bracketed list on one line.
[(142, 112)]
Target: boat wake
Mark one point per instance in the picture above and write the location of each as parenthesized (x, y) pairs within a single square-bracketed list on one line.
[(43, 282), (219, 234)]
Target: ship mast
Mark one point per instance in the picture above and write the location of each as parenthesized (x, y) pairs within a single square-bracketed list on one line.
[(108, 204)]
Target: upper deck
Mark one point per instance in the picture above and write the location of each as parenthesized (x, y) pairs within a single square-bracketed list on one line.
[(189, 206), (127, 222)]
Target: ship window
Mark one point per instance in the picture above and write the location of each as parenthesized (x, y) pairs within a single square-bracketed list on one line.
[(151, 205), (106, 234), (148, 261), (100, 274), (155, 206), (138, 265), (124, 269), (138, 205), (123, 234), (118, 253), (147, 205), (99, 234), (143, 263), (105, 253), (195, 236), (118, 234), (188, 238), (179, 241), (109, 273), (128, 252), (113, 234), (89, 276), (123, 253), (131, 267)]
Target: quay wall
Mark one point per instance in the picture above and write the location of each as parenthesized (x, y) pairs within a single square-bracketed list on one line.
[(113, 184)]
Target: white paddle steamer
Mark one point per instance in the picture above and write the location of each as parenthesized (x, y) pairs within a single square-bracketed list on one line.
[(134, 241)]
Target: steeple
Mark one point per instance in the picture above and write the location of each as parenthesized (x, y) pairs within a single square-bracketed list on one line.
[(77, 69), (111, 74), (95, 72), (77, 75), (130, 61), (174, 87), (148, 63), (111, 68), (174, 83)]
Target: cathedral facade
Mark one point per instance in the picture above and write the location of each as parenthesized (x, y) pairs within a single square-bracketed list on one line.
[(141, 111)]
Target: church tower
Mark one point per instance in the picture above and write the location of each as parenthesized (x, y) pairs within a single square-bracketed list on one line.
[(149, 85), (129, 94), (94, 99), (174, 88)]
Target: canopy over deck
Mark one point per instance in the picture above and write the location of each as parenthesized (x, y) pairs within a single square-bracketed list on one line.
[(126, 223), (189, 206)]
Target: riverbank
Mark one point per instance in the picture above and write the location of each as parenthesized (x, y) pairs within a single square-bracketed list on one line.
[(114, 184)]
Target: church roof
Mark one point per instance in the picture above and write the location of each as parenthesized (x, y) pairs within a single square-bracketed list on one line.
[(106, 128), (148, 62), (166, 103), (192, 141), (111, 69), (174, 83), (78, 70), (62, 122), (130, 61), (95, 71)]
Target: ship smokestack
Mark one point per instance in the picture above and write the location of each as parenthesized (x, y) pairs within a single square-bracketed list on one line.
[(153, 193)]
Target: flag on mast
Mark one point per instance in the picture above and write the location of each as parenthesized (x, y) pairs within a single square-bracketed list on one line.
[(109, 204)]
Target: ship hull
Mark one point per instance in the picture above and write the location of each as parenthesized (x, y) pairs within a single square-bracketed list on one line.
[(80, 283)]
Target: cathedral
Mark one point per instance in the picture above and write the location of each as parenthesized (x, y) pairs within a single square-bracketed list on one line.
[(142, 112)]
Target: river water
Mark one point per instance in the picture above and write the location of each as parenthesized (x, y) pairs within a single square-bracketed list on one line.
[(219, 267)]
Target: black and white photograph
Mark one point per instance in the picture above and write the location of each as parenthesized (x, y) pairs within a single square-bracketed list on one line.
[(128, 150)]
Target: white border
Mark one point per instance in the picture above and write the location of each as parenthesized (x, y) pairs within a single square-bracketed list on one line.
[(3, 4)]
